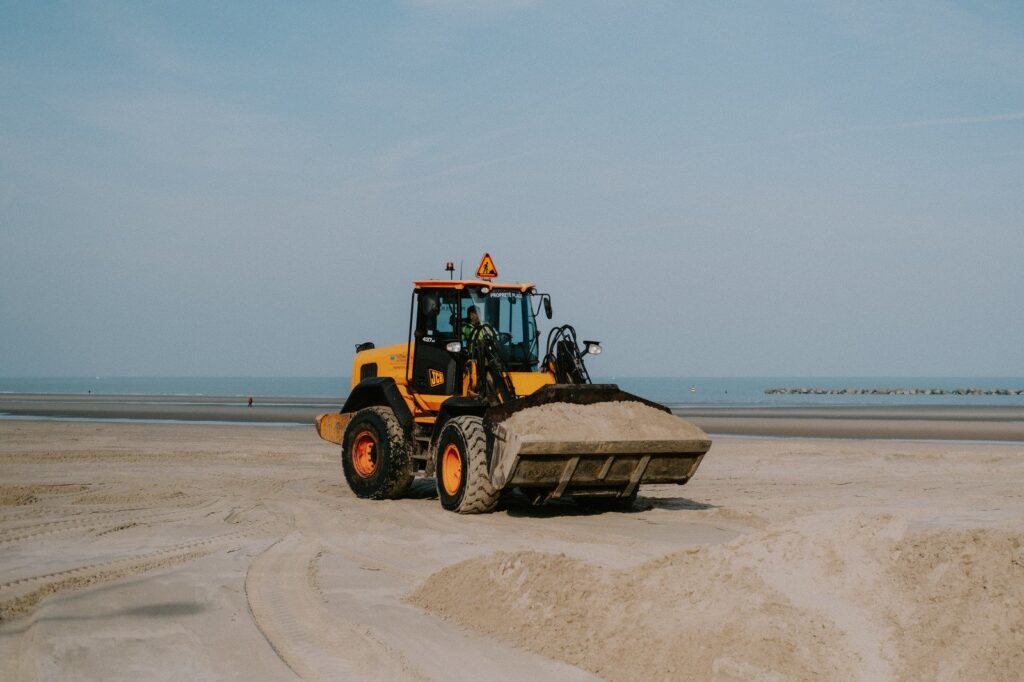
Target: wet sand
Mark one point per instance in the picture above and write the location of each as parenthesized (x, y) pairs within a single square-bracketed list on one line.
[(981, 423), (978, 423), (279, 410), (159, 551)]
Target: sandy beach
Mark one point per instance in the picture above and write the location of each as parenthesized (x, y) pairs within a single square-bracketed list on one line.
[(172, 551)]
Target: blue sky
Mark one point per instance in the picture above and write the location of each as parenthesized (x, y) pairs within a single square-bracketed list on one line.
[(746, 188)]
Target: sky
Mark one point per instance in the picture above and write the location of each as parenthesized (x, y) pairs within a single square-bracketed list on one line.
[(710, 189)]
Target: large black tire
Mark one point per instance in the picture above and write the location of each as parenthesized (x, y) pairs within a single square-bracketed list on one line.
[(375, 455), (470, 492)]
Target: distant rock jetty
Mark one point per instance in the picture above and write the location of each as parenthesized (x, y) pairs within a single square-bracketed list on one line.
[(894, 391)]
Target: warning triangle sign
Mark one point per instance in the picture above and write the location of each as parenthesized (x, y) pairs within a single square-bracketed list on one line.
[(486, 270)]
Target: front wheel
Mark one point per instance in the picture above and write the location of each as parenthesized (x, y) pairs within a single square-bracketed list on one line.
[(375, 455), (463, 484)]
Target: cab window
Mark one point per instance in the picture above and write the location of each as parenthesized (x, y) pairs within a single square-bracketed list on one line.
[(509, 313), (437, 314)]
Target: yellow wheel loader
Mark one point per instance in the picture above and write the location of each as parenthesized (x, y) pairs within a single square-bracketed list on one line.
[(470, 399)]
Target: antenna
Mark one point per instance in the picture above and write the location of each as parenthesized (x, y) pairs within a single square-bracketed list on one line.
[(460, 269)]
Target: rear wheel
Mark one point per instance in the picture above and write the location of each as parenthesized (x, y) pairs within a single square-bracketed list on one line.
[(375, 455), (463, 484)]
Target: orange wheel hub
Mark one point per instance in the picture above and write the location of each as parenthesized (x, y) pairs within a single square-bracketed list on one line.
[(451, 469), (364, 453)]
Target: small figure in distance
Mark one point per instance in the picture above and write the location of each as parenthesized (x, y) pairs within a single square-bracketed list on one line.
[(250, 401), (471, 322)]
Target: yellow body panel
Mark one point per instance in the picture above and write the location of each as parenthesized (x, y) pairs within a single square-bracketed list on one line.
[(428, 404), (526, 383), (460, 284), (390, 362)]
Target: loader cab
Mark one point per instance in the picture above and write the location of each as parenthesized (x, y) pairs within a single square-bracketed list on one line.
[(439, 309)]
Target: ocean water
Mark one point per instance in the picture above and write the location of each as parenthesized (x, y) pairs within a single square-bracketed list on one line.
[(675, 391)]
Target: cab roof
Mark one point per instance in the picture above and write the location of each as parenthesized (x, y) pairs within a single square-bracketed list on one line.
[(463, 283)]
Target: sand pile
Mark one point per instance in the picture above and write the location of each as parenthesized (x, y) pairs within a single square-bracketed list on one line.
[(621, 420), (835, 596)]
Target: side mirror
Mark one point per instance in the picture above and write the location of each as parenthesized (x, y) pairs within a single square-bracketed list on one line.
[(547, 306)]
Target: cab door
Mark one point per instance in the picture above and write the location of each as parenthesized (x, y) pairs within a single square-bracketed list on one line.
[(435, 370)]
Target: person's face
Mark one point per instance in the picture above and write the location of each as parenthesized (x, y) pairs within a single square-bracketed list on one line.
[(473, 317)]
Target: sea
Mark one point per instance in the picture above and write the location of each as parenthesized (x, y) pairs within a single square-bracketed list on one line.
[(672, 391)]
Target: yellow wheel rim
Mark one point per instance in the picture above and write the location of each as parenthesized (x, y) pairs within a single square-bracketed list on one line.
[(364, 453), (451, 469)]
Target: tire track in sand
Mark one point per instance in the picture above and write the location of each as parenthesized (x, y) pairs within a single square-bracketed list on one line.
[(288, 608), (21, 597), (103, 521), (342, 545)]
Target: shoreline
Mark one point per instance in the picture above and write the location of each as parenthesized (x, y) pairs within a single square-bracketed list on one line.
[(896, 422), (910, 422)]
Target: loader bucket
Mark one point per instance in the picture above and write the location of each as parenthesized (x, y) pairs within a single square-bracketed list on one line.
[(589, 440)]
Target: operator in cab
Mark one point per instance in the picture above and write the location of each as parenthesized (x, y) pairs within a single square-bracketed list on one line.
[(470, 324)]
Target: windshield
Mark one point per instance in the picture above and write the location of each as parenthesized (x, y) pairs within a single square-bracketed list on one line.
[(511, 314)]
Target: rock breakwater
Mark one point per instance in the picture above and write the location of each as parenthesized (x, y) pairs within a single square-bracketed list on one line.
[(895, 391)]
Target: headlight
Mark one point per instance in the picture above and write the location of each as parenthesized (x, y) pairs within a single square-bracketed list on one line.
[(453, 347), (593, 347)]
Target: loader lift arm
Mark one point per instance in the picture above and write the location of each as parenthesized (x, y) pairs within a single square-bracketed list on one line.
[(563, 357), (492, 381)]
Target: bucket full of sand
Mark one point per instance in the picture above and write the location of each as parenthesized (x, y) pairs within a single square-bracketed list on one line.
[(590, 441)]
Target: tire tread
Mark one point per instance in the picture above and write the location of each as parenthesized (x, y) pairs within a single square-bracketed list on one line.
[(480, 496), (400, 467)]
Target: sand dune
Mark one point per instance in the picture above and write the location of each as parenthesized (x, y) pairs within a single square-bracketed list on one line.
[(833, 596)]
